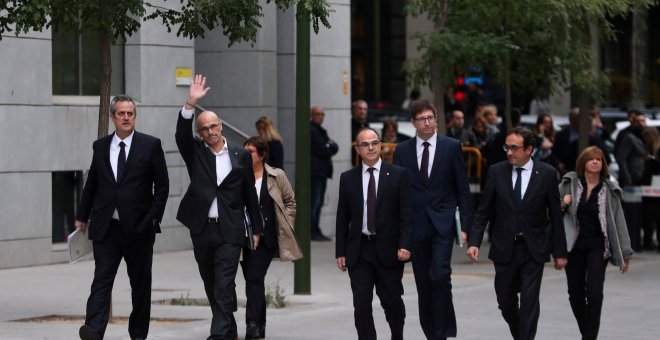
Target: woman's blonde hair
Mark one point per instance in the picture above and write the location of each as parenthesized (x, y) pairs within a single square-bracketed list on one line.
[(270, 132), (588, 154)]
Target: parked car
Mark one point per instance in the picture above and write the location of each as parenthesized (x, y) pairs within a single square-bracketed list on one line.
[(376, 117)]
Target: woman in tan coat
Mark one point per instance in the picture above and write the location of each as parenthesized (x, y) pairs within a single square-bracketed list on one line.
[(278, 211)]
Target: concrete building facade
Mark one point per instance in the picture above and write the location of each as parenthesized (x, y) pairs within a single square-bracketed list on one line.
[(44, 134)]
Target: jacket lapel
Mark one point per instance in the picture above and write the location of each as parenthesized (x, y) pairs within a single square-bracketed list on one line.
[(383, 177), (361, 200), (105, 157), (533, 182), (412, 153), (136, 142)]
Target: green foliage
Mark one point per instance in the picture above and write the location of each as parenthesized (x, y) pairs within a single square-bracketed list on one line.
[(275, 297), (540, 42), (120, 19)]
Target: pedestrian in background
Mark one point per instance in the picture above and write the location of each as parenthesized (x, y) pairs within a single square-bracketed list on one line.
[(124, 200), (596, 233), (278, 210), (323, 148), (373, 235), (267, 130)]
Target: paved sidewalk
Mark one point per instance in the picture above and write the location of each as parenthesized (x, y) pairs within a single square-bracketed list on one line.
[(630, 311)]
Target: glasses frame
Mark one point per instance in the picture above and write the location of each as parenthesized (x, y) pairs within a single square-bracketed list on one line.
[(421, 120), (366, 145)]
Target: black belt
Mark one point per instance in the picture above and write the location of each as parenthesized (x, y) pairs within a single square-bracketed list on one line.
[(519, 238), (213, 220), (369, 237), (114, 221)]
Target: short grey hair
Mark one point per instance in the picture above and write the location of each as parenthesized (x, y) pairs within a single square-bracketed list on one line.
[(121, 98)]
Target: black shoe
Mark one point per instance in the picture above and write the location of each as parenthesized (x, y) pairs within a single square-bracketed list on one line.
[(320, 237), (89, 333), (254, 331)]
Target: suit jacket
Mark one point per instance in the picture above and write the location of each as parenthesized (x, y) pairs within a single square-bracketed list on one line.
[(139, 196), (322, 152), (539, 214), (234, 194), (393, 214), (434, 204)]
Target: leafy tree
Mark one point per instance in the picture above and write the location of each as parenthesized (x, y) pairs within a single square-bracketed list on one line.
[(115, 20), (527, 44)]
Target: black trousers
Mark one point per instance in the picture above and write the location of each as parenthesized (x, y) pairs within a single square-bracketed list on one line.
[(585, 275), (522, 275), (218, 263), (108, 253), (367, 273), (255, 265), (431, 262)]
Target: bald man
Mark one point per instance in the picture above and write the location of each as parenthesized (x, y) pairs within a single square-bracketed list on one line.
[(221, 189)]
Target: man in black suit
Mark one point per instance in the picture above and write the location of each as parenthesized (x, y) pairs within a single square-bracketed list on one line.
[(373, 235), (323, 148), (221, 189), (438, 184), (521, 202), (123, 200)]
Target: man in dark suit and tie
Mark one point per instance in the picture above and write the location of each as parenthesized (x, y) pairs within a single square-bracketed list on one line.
[(438, 184), (123, 200), (521, 202), (221, 190), (373, 235)]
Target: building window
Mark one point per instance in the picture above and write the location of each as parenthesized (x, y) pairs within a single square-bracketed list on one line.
[(77, 64), (66, 190)]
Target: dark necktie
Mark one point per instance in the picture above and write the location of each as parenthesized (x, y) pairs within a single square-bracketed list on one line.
[(424, 168), (121, 161), (517, 189), (371, 202)]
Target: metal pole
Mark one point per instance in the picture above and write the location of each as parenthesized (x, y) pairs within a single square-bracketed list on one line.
[(302, 269)]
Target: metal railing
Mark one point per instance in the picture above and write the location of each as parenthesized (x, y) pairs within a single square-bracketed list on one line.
[(474, 162)]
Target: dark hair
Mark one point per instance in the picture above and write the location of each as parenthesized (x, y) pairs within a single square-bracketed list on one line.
[(121, 98), (357, 134), (540, 120), (526, 134), (587, 155), (259, 144), (421, 106)]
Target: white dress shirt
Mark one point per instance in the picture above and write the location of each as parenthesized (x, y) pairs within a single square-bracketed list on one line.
[(420, 151), (365, 191), (114, 154), (222, 164), (526, 175)]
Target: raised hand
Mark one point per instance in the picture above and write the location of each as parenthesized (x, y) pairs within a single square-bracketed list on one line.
[(197, 91)]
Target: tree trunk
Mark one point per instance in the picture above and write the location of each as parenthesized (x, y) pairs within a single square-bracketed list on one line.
[(586, 101), (438, 95), (437, 86), (640, 36), (507, 106), (106, 71)]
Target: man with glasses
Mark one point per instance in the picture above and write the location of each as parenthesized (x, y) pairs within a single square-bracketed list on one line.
[(438, 185), (221, 190), (123, 201), (521, 203), (373, 235)]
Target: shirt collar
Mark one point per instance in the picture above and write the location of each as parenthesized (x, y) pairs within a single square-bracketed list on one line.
[(128, 140), (224, 148), (431, 140), (528, 166), (376, 166)]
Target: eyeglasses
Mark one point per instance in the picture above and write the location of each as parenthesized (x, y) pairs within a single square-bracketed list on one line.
[(513, 148), (367, 144), (125, 114), (206, 129), (421, 120)]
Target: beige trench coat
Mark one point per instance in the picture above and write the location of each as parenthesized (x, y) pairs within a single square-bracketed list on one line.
[(282, 194)]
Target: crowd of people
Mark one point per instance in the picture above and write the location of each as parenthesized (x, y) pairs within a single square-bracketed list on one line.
[(240, 209)]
